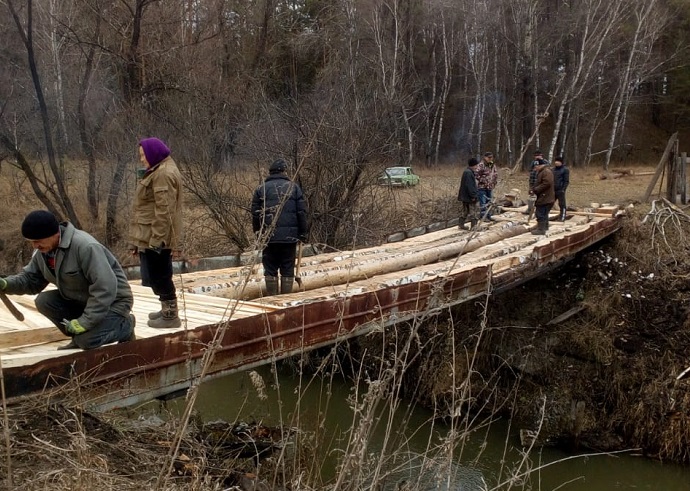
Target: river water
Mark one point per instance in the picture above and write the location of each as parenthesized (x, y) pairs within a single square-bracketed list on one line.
[(484, 461)]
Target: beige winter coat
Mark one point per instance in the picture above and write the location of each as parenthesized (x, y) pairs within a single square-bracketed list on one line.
[(157, 209)]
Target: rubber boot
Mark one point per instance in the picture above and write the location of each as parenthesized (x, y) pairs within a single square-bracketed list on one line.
[(563, 215), (169, 319), (473, 224), (271, 285), (462, 225), (286, 284), (541, 228)]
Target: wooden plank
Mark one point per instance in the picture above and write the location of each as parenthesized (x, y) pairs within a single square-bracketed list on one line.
[(10, 339), (660, 167)]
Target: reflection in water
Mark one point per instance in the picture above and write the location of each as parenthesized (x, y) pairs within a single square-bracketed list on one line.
[(488, 459)]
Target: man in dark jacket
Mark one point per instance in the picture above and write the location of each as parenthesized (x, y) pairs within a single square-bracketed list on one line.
[(561, 179), (93, 300), (538, 159), (543, 190), (279, 217), (469, 195)]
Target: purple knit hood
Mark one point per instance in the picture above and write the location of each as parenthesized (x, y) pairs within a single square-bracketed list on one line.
[(154, 150)]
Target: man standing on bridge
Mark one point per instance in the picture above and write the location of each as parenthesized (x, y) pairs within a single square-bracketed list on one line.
[(279, 218), (93, 301), (487, 178), (545, 196), (468, 195)]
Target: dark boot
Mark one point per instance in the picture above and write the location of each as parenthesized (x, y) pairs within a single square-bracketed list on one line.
[(286, 284), (563, 215), (462, 225), (169, 319), (473, 224), (541, 228), (271, 285)]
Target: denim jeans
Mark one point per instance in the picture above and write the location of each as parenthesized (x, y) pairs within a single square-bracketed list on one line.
[(113, 328), (484, 200)]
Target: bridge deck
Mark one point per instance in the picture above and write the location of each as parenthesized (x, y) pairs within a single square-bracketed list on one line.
[(349, 293)]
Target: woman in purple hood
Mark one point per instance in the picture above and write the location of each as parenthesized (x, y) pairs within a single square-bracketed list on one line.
[(156, 227)]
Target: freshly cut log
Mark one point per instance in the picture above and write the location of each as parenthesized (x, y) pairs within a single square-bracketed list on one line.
[(397, 259)]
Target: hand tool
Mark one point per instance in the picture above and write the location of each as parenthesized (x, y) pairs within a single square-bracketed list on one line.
[(11, 307), (298, 279), (533, 206)]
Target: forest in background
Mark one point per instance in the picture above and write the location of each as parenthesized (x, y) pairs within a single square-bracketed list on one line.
[(340, 88)]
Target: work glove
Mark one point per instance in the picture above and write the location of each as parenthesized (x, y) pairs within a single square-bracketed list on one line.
[(134, 250), (73, 327), (3, 283)]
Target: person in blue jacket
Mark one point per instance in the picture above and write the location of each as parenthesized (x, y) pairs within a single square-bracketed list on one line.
[(561, 178), (279, 218)]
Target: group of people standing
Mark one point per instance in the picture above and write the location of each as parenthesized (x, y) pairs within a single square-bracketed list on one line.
[(92, 302), (476, 190), (546, 185)]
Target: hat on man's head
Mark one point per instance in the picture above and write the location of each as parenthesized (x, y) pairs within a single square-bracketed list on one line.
[(472, 162), (39, 224), (558, 159), (277, 166), (488, 154), (538, 152), (155, 150)]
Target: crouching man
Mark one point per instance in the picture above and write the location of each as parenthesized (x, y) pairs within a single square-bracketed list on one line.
[(93, 300)]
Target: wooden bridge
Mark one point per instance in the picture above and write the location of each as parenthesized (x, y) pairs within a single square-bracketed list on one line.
[(228, 326)]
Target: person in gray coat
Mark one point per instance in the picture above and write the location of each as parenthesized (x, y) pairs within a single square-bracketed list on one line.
[(92, 303)]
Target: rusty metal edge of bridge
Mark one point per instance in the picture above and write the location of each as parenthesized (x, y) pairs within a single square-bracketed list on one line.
[(125, 374)]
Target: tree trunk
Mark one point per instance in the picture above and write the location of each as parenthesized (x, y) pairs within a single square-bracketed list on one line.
[(27, 38)]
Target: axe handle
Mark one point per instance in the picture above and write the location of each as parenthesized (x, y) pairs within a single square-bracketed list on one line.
[(534, 206), (299, 263), (11, 307)]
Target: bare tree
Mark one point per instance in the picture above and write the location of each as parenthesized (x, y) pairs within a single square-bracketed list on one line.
[(648, 22), (26, 34)]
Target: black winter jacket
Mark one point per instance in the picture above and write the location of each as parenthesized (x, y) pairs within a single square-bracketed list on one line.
[(561, 178), (468, 187), (278, 195)]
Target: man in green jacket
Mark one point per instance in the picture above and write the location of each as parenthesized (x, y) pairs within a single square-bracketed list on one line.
[(92, 303)]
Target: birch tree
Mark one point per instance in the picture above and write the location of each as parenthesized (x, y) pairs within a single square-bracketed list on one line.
[(648, 24)]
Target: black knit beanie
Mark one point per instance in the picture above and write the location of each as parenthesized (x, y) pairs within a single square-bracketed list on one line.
[(277, 167), (39, 224)]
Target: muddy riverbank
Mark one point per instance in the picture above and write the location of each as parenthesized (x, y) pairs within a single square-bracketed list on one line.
[(605, 378)]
